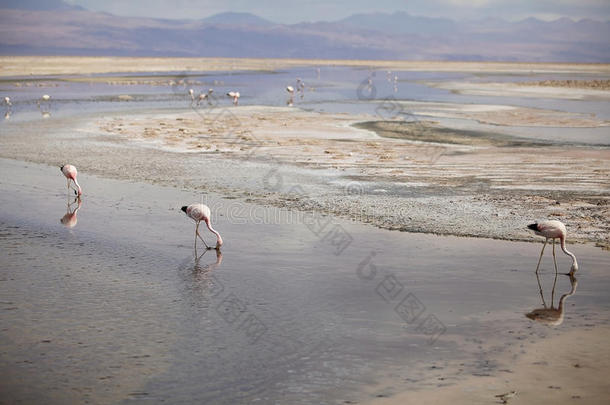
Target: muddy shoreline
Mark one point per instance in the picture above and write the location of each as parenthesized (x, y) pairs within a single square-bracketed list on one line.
[(465, 189)]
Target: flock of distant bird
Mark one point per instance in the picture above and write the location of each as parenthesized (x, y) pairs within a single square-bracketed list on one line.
[(551, 229), (44, 103)]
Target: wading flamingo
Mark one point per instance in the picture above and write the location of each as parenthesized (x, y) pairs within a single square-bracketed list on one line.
[(47, 100), (204, 96), (553, 229), (70, 172), (290, 91), (198, 213), (235, 95), (200, 98), (7, 101)]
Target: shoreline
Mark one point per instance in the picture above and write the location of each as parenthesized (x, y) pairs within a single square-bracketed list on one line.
[(78, 65), (421, 187)]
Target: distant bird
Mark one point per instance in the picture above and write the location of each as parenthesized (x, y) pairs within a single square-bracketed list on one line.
[(69, 220), (191, 93), (198, 213), (553, 229), (203, 96), (45, 99), (7, 101), (70, 172), (290, 91), (235, 95)]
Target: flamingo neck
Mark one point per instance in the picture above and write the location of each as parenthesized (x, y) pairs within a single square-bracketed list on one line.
[(78, 185), (218, 237), (574, 262)]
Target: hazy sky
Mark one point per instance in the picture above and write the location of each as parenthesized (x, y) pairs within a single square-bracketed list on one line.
[(288, 11)]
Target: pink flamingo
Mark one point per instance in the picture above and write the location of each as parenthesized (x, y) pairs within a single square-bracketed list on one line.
[(553, 229), (290, 91), (70, 172), (198, 213), (235, 95)]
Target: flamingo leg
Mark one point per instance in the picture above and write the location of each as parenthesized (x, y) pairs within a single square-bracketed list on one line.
[(553, 291), (554, 258), (540, 258), (197, 234)]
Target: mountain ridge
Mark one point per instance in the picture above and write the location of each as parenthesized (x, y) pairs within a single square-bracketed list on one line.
[(398, 35)]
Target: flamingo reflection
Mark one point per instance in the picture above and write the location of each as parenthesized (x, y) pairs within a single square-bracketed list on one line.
[(550, 315), (200, 269), (69, 220)]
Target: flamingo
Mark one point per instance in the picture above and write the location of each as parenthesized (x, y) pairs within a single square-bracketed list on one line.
[(45, 99), (7, 101), (235, 95), (70, 172), (290, 91), (192, 95), (198, 213), (201, 97), (553, 229)]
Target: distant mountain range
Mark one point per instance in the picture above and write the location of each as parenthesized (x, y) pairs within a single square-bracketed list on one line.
[(52, 27)]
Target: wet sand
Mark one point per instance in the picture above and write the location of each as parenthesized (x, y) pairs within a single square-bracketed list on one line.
[(571, 368), (115, 308)]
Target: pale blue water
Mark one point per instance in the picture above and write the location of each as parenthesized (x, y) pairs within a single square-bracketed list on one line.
[(336, 89), (117, 310)]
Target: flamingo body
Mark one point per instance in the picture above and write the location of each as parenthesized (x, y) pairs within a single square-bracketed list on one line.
[(553, 229), (198, 213), (70, 173)]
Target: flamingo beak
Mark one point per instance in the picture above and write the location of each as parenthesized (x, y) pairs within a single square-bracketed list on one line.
[(183, 209)]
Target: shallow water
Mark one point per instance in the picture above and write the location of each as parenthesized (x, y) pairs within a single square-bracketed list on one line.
[(117, 309), (334, 89)]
